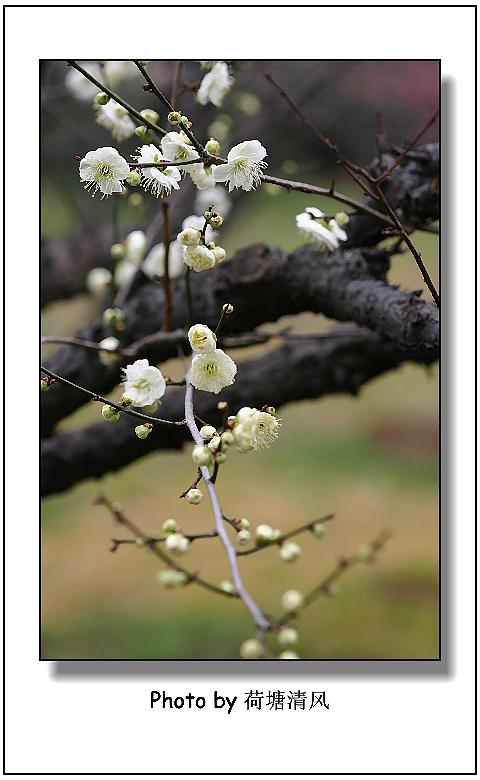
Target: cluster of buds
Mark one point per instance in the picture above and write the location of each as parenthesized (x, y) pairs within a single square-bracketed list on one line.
[(198, 253), (215, 447), (176, 118), (265, 534)]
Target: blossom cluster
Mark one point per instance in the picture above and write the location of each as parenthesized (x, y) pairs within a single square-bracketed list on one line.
[(326, 233)]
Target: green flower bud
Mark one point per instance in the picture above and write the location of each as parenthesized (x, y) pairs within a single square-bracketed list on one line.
[(212, 146), (194, 496), (127, 400), (243, 537), (114, 318), (117, 251), (133, 178), (174, 118), (220, 458), (318, 530), (143, 133), (142, 431), (207, 215), (208, 431), (342, 218), (150, 115), (227, 586), (244, 523), (227, 438), (170, 526), (185, 120), (214, 443), (101, 99), (251, 648), (110, 414), (44, 385), (289, 552), (222, 405), (216, 221), (135, 199), (139, 542), (264, 534), (171, 578)]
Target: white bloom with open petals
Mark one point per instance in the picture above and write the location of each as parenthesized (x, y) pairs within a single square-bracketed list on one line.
[(202, 339), (212, 371), (159, 181), (144, 383), (255, 430), (198, 258), (116, 119), (326, 233), (215, 85), (176, 148), (202, 176), (154, 264), (104, 170), (243, 167)]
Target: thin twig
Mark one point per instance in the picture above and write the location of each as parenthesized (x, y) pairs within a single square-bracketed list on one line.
[(260, 621), (283, 537), (414, 140), (101, 399)]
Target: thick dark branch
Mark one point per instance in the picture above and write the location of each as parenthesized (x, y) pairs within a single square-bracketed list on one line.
[(274, 284), (306, 367)]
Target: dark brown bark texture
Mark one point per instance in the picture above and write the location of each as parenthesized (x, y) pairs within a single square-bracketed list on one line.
[(264, 284)]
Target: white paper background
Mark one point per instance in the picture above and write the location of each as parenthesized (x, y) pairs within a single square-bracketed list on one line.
[(377, 722)]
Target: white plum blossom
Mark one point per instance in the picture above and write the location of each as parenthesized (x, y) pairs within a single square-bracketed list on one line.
[(78, 85), (292, 600), (215, 85), (326, 233), (198, 258), (216, 198), (213, 371), (108, 354), (159, 182), (154, 263), (202, 176), (134, 250), (144, 383), (116, 119), (177, 148), (202, 339), (243, 167), (99, 280), (255, 430), (104, 170)]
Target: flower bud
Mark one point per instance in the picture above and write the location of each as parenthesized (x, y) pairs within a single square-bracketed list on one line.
[(174, 118), (99, 280), (288, 636), (142, 431), (135, 199), (227, 438), (227, 586), (243, 537), (288, 655), (208, 431), (194, 496), (133, 178), (214, 443), (185, 121), (139, 542), (275, 534), (101, 99), (290, 552), (170, 526), (212, 146), (177, 544), (143, 133), (219, 254), (227, 308), (318, 530), (220, 458), (201, 455), (171, 578), (44, 385), (244, 523), (127, 400), (216, 221), (264, 534), (113, 318), (110, 414), (150, 115), (342, 218), (117, 251), (108, 354), (211, 245), (292, 600), (207, 215), (251, 648), (189, 237), (222, 405)]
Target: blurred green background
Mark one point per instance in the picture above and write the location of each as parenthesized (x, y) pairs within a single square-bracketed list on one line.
[(373, 460)]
